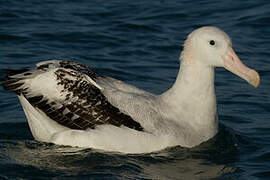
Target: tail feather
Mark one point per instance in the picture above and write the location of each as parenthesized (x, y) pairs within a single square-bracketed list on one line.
[(11, 72), (13, 84)]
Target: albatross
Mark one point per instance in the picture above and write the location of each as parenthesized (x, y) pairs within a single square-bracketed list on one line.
[(68, 103)]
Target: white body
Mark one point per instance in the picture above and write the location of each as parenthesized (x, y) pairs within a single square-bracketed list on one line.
[(185, 115), (181, 116)]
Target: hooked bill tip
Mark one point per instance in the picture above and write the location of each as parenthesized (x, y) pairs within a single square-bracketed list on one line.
[(254, 79)]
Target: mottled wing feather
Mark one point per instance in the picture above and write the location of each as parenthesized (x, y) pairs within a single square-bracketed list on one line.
[(84, 106)]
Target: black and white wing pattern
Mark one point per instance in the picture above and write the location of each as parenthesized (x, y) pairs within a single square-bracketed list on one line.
[(67, 92)]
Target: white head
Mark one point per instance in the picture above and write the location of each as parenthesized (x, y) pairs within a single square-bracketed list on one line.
[(210, 46)]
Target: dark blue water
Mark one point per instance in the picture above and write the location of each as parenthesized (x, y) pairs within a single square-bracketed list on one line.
[(138, 42)]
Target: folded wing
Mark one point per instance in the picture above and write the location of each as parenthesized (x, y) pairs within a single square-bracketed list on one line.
[(68, 94)]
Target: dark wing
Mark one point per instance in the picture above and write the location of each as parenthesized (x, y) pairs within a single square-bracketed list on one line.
[(80, 104)]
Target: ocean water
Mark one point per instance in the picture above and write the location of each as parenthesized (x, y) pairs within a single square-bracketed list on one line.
[(138, 42)]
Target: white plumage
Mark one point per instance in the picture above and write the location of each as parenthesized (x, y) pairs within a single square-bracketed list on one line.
[(69, 104)]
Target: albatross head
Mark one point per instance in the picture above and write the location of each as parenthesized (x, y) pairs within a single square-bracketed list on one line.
[(210, 46)]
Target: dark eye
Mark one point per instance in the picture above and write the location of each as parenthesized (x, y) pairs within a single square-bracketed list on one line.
[(212, 42)]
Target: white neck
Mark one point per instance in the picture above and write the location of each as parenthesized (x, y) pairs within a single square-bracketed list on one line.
[(192, 101)]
